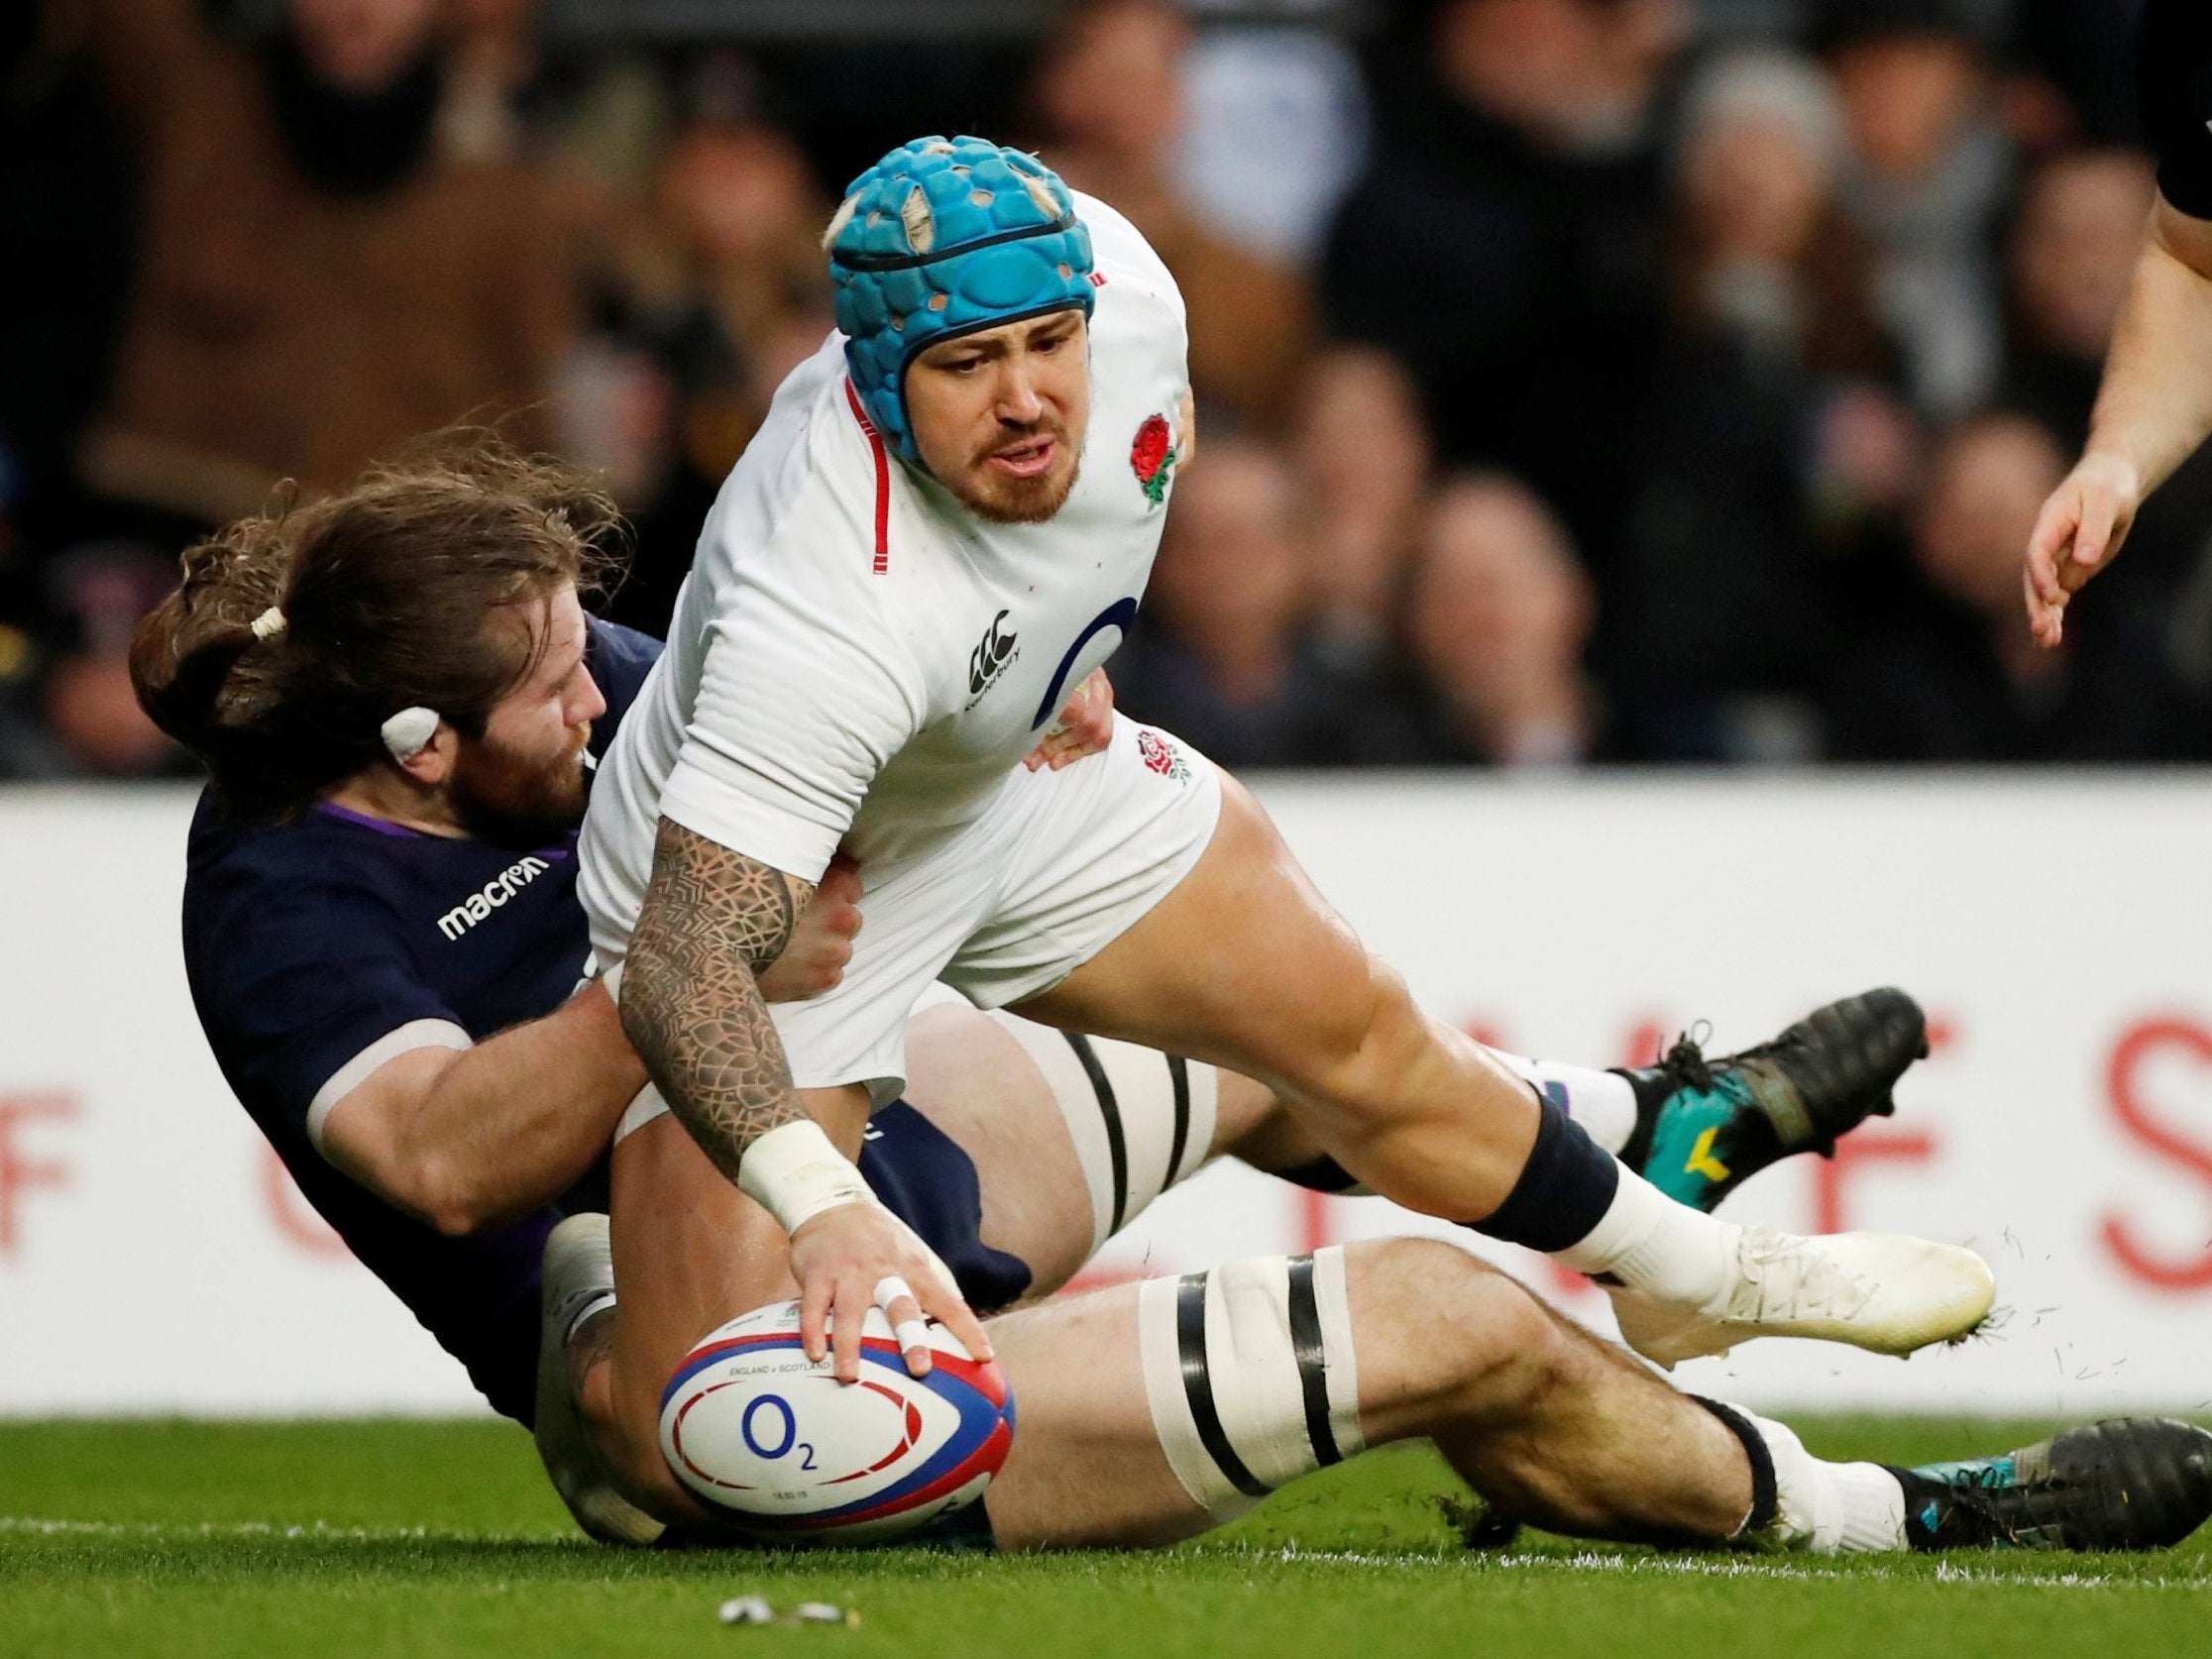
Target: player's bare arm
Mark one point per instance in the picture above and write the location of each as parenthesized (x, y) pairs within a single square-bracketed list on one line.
[(2155, 410), (712, 922), (467, 1139)]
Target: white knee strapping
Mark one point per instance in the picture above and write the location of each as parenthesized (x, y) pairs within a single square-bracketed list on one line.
[(1141, 1120), (1250, 1377)]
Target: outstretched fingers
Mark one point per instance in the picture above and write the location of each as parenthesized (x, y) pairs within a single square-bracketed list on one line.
[(1085, 727), (2046, 594), (859, 1256)]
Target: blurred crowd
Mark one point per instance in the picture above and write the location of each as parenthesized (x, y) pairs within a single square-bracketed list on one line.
[(1580, 380)]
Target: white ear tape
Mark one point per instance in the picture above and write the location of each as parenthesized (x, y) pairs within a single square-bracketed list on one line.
[(408, 732), (269, 623)]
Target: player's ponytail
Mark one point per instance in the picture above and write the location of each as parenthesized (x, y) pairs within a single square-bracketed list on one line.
[(292, 636), (200, 667)]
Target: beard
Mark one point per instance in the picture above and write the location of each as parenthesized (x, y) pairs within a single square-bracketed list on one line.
[(1021, 501), (509, 799)]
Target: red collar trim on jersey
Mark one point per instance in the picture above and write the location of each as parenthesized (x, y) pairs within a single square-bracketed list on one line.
[(883, 481)]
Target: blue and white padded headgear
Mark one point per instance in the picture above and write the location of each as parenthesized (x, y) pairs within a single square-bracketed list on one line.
[(945, 237)]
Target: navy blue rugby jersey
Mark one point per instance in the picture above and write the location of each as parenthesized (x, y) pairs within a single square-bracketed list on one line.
[(318, 949)]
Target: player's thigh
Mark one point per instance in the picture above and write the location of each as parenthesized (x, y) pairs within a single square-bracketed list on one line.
[(976, 1082), (1071, 1137), (1243, 963), (1087, 1467)]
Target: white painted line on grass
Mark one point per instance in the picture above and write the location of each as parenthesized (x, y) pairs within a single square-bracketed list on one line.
[(1582, 1561), (1591, 1561), (40, 1526)]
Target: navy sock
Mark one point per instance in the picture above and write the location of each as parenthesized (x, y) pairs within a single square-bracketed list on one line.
[(1322, 1174), (1765, 1496), (1564, 1190)]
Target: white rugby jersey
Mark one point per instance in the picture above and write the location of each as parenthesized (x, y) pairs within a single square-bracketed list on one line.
[(856, 658)]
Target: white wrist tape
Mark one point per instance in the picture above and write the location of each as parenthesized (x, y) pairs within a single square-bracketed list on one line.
[(794, 1172)]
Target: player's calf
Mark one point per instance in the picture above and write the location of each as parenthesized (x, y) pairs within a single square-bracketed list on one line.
[(578, 1289)]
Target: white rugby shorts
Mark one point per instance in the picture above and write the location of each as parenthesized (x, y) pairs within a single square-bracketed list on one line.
[(1057, 867)]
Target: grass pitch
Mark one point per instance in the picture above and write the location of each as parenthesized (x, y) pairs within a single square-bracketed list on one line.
[(423, 1540)]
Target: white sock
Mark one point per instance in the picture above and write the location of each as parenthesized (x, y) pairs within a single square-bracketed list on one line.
[(1652, 1243), (1603, 1102), (1828, 1508)]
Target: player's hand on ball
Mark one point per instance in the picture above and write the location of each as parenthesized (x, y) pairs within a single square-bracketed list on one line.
[(843, 1258), (821, 944), (2078, 531), (1086, 726)]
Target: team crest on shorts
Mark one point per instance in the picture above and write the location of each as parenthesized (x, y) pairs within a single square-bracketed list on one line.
[(1160, 755), (1153, 457)]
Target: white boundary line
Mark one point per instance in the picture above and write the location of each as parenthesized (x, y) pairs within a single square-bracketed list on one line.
[(1676, 1566), (1473, 1561), (41, 1527)]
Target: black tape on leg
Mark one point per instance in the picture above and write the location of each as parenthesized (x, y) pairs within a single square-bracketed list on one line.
[(1564, 1190), (1765, 1499)]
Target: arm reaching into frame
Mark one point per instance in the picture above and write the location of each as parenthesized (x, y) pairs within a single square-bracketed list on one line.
[(2155, 410), (467, 1139), (712, 922)]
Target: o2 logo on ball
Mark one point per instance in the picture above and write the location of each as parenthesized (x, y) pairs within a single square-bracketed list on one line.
[(789, 1426), (776, 1444)]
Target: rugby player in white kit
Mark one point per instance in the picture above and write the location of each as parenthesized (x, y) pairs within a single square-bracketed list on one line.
[(943, 529)]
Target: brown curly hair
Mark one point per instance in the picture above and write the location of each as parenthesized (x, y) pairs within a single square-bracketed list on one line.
[(389, 592)]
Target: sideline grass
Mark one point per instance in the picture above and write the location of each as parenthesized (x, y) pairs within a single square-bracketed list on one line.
[(423, 1540)]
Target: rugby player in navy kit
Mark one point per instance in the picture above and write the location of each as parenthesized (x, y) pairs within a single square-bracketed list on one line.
[(347, 949), (2155, 405), (381, 938)]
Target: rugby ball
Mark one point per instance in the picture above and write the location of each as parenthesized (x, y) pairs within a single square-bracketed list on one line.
[(777, 1445)]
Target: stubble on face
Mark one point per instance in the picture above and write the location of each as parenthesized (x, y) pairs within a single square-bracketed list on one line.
[(519, 801), (1020, 501)]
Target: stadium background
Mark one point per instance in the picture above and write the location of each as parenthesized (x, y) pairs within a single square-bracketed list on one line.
[(1623, 420)]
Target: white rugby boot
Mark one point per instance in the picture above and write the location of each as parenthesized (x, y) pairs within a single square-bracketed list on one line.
[(577, 1278), (1880, 1291)]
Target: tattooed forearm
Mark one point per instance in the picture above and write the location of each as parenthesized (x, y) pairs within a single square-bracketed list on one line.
[(714, 921)]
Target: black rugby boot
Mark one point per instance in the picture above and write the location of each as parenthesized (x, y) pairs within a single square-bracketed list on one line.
[(1704, 1126), (2129, 1483)]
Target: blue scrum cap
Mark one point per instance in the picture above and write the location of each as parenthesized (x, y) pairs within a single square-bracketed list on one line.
[(944, 237)]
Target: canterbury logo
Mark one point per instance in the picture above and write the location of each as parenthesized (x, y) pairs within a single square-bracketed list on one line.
[(495, 893), (989, 657)]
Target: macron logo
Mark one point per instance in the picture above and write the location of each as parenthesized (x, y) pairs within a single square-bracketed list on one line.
[(495, 893)]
